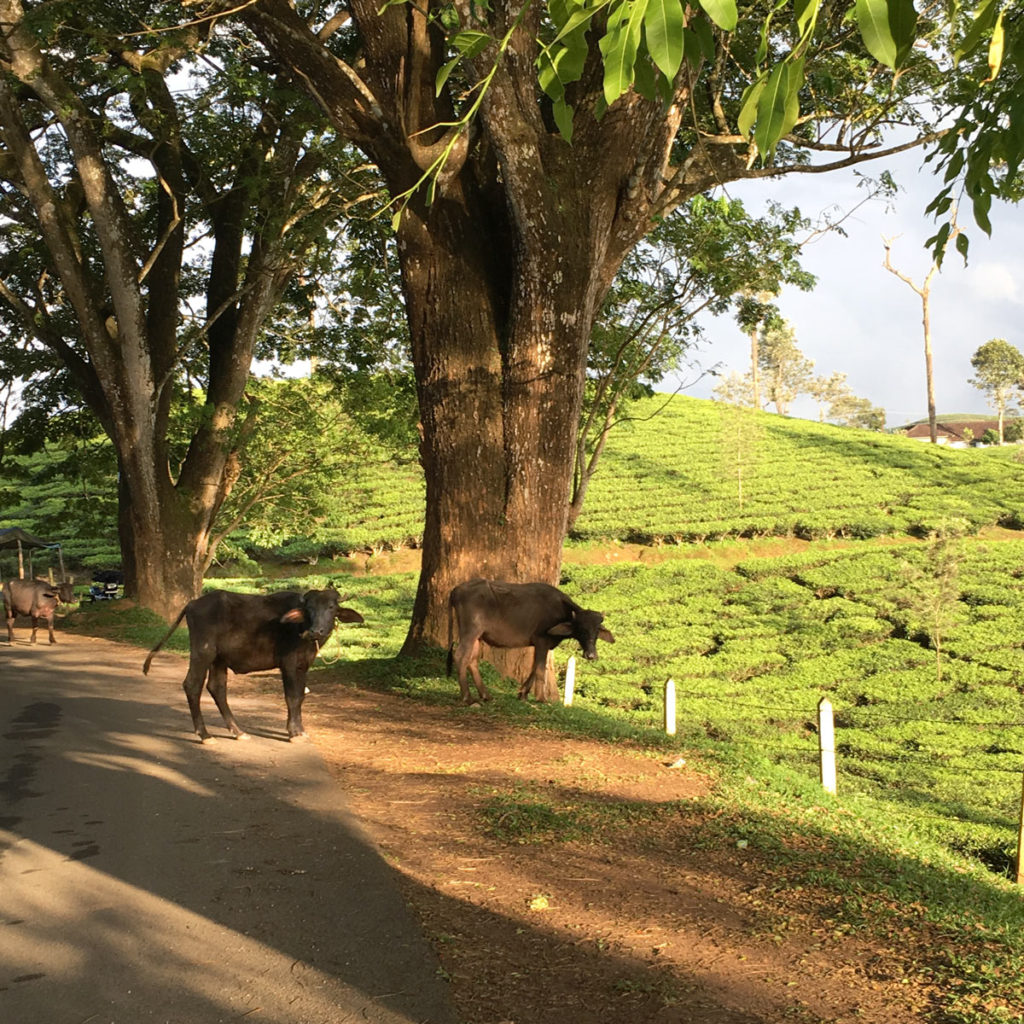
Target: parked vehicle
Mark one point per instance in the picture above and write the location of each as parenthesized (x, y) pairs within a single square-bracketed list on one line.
[(106, 585)]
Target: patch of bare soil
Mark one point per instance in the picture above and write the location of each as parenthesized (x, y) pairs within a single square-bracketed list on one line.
[(622, 912)]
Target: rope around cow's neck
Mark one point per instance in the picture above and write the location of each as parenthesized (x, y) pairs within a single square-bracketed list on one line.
[(324, 657)]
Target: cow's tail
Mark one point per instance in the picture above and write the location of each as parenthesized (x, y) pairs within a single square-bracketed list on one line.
[(451, 611), (167, 636)]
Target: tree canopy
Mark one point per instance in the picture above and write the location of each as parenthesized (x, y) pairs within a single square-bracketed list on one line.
[(999, 369)]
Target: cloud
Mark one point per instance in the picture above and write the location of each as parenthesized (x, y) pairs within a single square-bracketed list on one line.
[(996, 281)]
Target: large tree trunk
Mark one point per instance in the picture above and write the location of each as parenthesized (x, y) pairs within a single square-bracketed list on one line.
[(165, 550), (499, 396)]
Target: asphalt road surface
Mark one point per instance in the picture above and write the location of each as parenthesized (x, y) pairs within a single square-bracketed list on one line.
[(145, 877)]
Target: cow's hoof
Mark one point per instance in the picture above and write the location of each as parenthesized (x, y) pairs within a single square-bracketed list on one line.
[(299, 737), (241, 736)]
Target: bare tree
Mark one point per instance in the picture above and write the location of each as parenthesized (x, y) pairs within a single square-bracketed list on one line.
[(924, 291)]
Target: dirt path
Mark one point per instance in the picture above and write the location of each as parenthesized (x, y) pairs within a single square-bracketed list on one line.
[(567, 882)]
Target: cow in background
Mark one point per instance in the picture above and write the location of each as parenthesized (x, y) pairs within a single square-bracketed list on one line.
[(36, 599), (535, 615), (253, 633)]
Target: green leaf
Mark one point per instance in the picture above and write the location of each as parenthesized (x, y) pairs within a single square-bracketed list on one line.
[(692, 50), (982, 203), (563, 118), (547, 77), (748, 109), (778, 105), (805, 12), (995, 50), (644, 80), (887, 28), (663, 26), (444, 73), (468, 44), (705, 36), (579, 18), (620, 46), (980, 27), (722, 12)]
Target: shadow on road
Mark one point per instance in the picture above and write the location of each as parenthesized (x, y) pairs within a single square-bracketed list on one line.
[(144, 876)]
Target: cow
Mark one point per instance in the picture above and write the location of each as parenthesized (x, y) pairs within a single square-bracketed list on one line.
[(535, 615), (253, 633), (36, 599)]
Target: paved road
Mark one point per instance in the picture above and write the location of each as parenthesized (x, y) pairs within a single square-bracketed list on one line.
[(144, 877)]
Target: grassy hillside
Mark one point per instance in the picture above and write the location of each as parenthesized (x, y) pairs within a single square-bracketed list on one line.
[(686, 470), (680, 471), (699, 470)]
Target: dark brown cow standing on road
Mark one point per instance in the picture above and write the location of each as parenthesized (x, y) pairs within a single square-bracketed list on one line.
[(36, 599), (253, 633), (535, 615)]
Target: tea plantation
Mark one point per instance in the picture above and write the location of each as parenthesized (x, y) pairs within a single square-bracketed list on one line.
[(684, 471), (916, 642)]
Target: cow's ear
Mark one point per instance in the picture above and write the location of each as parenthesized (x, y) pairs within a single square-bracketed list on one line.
[(348, 615), (562, 629), (294, 615), (605, 635)]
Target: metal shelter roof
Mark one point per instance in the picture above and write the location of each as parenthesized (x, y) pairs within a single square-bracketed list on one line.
[(12, 536)]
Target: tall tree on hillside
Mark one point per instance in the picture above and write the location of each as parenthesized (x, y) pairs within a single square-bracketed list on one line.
[(999, 367), (826, 391), (756, 312), (127, 199), (852, 411), (785, 369), (505, 270), (924, 292)]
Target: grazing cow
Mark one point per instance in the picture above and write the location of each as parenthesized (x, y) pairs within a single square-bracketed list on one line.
[(253, 633), (533, 615), (37, 599)]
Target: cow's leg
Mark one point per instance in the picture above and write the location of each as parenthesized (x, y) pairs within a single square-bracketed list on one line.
[(467, 656), (217, 684), (294, 681), (35, 626), (49, 624), (10, 625), (193, 687), (540, 665)]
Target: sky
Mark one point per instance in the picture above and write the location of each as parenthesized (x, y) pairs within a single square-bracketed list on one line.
[(863, 321)]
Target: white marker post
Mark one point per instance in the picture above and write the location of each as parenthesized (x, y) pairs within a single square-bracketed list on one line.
[(670, 707), (1020, 842), (827, 745), (570, 681)]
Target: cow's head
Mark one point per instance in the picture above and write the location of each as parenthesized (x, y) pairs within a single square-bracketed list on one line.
[(318, 612), (65, 593), (586, 627)]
